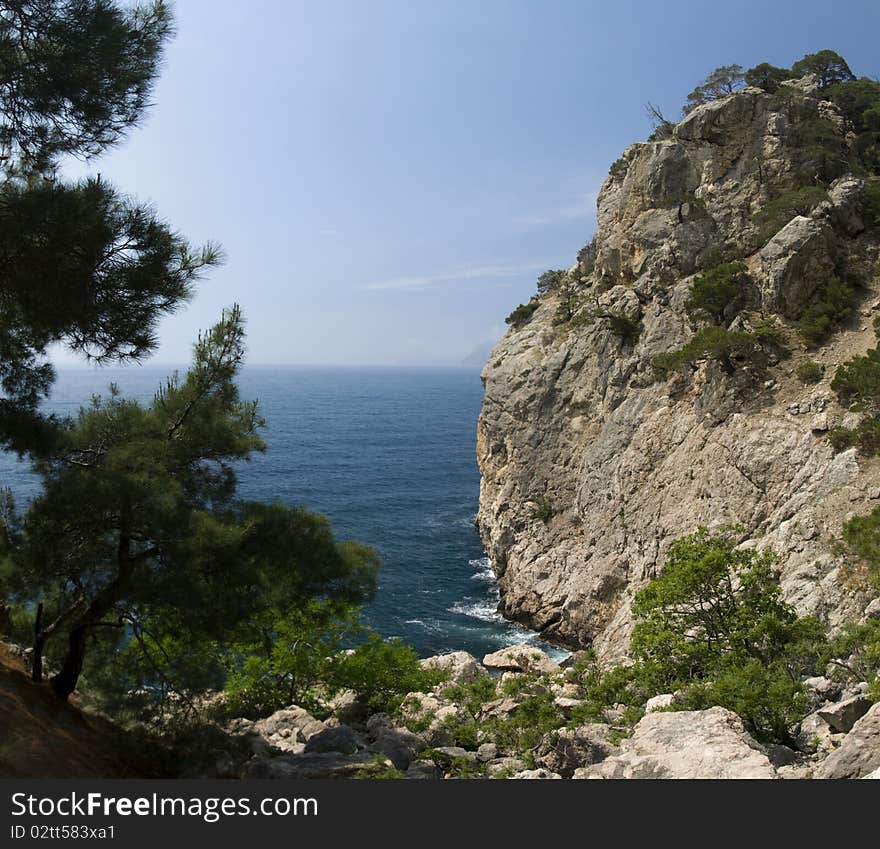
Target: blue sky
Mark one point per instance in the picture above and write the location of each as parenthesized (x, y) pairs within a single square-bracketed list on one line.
[(389, 177)]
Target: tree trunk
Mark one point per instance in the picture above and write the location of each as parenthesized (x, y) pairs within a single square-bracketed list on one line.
[(39, 642), (64, 683)]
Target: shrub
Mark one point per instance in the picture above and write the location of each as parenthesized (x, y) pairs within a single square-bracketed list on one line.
[(724, 80), (858, 100), (301, 662), (522, 314), (833, 305), (717, 343), (871, 205), (551, 280), (618, 169), (767, 76), (861, 536), (809, 372), (857, 382), (855, 655), (624, 327), (382, 671), (544, 509), (716, 290), (828, 66), (714, 626), (779, 211), (865, 435), (524, 728), (823, 151)]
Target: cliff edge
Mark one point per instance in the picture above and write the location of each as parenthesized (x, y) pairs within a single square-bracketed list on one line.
[(592, 462)]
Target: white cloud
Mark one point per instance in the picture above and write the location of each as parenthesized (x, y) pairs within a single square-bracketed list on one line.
[(583, 208), (481, 272)]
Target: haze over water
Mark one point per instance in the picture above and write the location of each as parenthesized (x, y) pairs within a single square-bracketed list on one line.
[(389, 455)]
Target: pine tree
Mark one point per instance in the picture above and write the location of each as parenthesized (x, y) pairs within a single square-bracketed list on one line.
[(138, 525), (80, 264)]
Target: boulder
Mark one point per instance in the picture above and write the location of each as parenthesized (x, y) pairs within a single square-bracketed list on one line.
[(523, 658), (459, 667), (709, 743), (529, 774), (859, 753), (287, 730), (428, 715), (568, 749), (664, 700), (316, 765), (794, 263), (421, 770), (445, 756), (504, 767), (815, 735), (348, 708), (338, 739), (842, 716)]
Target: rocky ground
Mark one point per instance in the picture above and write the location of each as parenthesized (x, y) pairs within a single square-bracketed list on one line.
[(839, 739)]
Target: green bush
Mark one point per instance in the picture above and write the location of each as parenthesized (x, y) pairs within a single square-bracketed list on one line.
[(861, 536), (714, 626), (381, 672), (778, 212), (809, 372), (857, 382), (544, 509), (725, 346), (833, 304), (716, 290), (522, 314), (859, 100), (866, 435), (288, 660), (618, 169), (871, 204), (828, 66), (551, 280), (767, 76), (855, 655), (300, 661)]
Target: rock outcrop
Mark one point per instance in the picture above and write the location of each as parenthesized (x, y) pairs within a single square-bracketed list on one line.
[(688, 744), (591, 467), (859, 753)]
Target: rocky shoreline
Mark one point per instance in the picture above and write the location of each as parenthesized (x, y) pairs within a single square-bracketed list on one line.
[(840, 738)]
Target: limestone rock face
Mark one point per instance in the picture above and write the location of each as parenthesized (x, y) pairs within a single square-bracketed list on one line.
[(859, 753), (689, 744), (591, 467), (794, 263)]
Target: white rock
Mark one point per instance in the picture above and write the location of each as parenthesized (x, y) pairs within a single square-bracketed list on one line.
[(686, 744)]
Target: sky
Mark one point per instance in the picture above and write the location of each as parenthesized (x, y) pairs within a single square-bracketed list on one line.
[(388, 178)]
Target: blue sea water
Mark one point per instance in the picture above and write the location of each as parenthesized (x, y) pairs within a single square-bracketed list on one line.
[(389, 455)]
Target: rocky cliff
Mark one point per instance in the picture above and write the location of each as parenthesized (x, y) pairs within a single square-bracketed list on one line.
[(591, 465)]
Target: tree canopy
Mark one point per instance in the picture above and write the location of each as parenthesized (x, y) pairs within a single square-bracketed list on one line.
[(138, 525), (80, 263), (724, 80), (828, 66)]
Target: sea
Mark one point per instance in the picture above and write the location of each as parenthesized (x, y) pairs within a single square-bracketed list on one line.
[(389, 455)]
